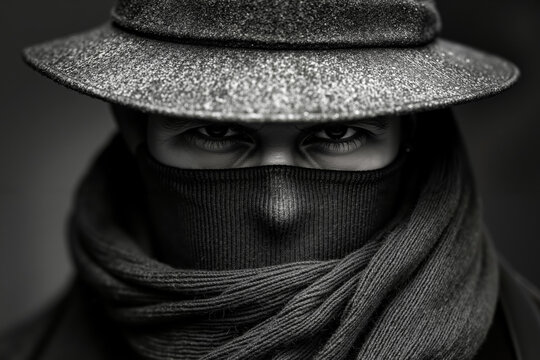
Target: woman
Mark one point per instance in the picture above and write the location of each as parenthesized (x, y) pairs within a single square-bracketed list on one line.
[(284, 189)]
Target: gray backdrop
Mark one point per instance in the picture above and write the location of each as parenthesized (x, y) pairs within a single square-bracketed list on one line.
[(48, 134)]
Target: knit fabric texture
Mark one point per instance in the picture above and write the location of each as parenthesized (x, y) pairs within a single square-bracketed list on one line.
[(425, 287), (284, 23), (252, 217)]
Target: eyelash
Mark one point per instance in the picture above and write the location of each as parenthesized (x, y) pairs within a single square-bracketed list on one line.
[(230, 143), (341, 146), (215, 144), (359, 139)]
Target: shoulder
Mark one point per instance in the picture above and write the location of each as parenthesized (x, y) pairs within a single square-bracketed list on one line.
[(74, 328), (25, 340), (520, 301)]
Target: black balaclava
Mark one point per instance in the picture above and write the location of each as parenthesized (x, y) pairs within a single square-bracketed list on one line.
[(253, 217)]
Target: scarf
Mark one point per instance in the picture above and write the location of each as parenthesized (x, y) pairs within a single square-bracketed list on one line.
[(424, 287)]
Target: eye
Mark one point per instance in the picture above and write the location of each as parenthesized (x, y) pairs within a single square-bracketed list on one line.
[(337, 138), (219, 137), (218, 131), (336, 132)]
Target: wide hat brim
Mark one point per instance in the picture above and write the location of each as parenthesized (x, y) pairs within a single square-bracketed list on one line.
[(249, 84)]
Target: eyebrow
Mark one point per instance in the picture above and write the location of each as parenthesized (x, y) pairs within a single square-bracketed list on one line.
[(380, 123), (176, 124)]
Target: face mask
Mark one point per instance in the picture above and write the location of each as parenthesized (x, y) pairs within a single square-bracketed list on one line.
[(261, 216)]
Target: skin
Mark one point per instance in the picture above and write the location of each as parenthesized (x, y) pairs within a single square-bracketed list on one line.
[(358, 145)]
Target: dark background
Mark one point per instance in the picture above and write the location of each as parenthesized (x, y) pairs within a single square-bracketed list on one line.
[(48, 134)]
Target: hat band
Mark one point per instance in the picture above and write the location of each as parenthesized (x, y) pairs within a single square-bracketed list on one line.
[(285, 23)]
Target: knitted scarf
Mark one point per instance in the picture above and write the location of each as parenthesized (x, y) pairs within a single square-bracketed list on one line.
[(425, 287)]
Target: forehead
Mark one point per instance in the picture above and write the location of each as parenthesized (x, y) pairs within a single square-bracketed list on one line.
[(177, 123)]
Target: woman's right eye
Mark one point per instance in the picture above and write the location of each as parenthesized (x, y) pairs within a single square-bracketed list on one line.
[(336, 133), (219, 137), (218, 131)]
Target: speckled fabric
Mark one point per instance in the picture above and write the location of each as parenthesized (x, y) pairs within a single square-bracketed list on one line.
[(284, 23), (227, 83)]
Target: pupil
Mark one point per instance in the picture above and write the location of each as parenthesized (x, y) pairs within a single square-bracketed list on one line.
[(336, 132), (217, 130)]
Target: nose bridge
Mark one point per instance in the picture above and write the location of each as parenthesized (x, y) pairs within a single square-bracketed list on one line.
[(278, 145), (278, 156)]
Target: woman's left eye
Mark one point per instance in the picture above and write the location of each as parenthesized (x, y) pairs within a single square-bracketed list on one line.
[(336, 132), (338, 139), (218, 131)]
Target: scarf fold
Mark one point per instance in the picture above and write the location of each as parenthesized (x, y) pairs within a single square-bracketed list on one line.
[(424, 287)]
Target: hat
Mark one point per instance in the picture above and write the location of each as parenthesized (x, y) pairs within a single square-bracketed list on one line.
[(268, 60)]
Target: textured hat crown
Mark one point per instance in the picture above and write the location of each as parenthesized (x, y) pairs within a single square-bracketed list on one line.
[(284, 23)]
